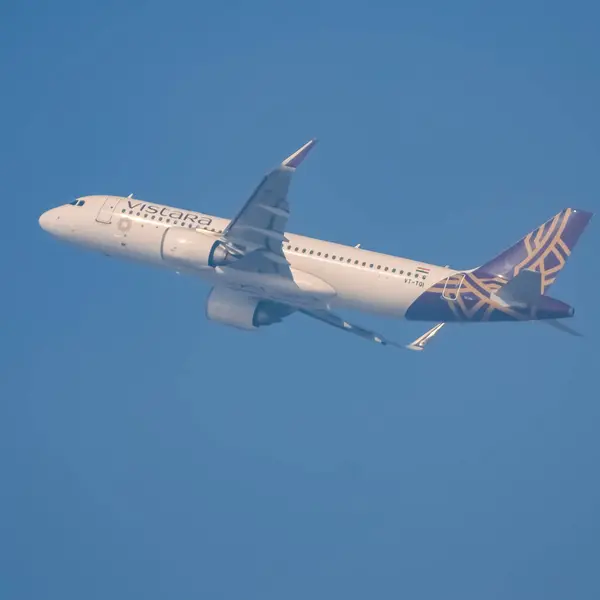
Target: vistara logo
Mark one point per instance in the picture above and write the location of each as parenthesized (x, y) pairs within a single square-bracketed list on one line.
[(170, 213)]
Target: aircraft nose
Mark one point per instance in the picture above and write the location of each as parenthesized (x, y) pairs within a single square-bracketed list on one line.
[(48, 220), (44, 219)]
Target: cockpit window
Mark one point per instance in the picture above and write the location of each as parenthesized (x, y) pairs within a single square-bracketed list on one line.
[(73, 203), (77, 202)]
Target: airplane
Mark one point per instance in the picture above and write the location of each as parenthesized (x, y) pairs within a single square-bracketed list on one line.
[(260, 274)]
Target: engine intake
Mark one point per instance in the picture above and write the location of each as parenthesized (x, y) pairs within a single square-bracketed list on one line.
[(240, 310), (192, 249)]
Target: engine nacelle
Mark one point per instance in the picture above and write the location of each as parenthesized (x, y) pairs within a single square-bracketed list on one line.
[(192, 249), (237, 309)]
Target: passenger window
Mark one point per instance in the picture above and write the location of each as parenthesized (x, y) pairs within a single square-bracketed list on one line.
[(364, 264), (379, 266), (318, 254), (371, 266), (333, 257), (393, 270), (327, 256), (386, 269), (303, 250), (408, 274)]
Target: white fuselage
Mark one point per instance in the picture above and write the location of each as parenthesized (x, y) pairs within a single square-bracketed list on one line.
[(134, 229)]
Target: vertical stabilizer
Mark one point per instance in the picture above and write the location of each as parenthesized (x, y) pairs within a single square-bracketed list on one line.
[(544, 250)]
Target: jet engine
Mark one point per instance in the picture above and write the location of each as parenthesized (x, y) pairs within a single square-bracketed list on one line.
[(187, 248), (237, 309)]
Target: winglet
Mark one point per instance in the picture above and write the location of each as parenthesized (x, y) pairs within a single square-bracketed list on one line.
[(419, 343), (293, 161)]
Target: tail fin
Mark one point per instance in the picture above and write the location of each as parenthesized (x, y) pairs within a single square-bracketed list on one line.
[(545, 250)]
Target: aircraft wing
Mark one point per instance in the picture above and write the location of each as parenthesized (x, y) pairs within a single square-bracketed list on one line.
[(330, 318), (258, 229)]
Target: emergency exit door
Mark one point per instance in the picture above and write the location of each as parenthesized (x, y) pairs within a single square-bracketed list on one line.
[(452, 286)]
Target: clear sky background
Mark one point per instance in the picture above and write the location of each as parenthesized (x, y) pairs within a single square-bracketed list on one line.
[(148, 453)]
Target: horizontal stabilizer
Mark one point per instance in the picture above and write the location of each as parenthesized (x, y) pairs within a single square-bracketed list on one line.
[(562, 327), (525, 288)]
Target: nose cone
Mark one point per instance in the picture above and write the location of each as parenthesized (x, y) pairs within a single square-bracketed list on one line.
[(50, 220), (45, 220)]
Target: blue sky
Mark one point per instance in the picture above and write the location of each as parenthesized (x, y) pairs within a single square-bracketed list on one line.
[(146, 452)]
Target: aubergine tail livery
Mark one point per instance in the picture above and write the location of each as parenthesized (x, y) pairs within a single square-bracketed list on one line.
[(545, 250), (511, 286)]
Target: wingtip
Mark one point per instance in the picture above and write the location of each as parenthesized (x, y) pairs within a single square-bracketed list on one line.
[(414, 347), (294, 160), (419, 344)]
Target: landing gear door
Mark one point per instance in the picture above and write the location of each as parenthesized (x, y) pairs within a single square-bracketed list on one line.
[(452, 286), (106, 212)]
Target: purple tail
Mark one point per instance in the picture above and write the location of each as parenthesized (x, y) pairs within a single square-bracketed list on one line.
[(545, 249)]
